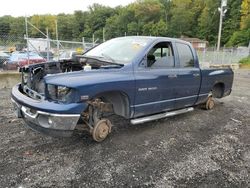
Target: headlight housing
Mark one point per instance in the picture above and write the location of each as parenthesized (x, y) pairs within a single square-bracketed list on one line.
[(59, 93)]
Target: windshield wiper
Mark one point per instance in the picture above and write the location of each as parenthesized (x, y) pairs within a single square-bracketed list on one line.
[(108, 57), (108, 60), (111, 59)]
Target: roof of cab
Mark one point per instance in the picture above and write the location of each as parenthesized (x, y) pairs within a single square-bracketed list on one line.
[(153, 38)]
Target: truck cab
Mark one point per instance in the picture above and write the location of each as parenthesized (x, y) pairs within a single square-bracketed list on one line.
[(170, 74)]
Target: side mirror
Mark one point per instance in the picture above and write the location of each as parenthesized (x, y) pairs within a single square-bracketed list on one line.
[(150, 60)]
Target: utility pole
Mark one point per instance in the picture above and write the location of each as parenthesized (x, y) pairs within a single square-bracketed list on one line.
[(57, 40), (27, 38), (48, 43), (249, 49), (83, 44), (222, 14), (103, 34)]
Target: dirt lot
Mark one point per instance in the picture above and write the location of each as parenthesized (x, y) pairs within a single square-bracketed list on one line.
[(197, 149)]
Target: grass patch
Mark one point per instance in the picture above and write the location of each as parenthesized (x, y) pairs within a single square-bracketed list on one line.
[(245, 61)]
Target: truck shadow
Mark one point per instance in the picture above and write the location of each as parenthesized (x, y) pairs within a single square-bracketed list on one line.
[(122, 128)]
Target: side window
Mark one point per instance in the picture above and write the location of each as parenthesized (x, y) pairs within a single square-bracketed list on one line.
[(161, 56), (185, 55)]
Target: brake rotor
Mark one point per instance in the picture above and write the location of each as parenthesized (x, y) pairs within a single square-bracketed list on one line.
[(101, 130), (209, 103)]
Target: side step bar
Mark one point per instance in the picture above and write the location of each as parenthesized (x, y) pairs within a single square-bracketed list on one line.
[(160, 116)]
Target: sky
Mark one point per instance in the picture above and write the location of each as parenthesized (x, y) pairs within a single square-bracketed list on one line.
[(30, 7)]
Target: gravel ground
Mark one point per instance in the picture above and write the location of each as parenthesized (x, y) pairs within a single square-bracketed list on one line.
[(197, 149)]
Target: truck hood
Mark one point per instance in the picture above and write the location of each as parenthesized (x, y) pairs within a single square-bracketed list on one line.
[(81, 78)]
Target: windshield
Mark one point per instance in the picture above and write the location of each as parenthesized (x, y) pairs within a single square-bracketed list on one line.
[(120, 49)]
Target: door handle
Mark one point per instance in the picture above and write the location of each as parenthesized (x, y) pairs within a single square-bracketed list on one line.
[(172, 76), (196, 74)]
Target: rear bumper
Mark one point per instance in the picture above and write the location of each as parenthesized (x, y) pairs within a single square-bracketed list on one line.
[(55, 123)]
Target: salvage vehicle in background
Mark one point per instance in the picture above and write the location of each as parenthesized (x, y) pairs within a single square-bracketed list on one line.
[(69, 60), (68, 56), (139, 78), (3, 57), (44, 55), (21, 59)]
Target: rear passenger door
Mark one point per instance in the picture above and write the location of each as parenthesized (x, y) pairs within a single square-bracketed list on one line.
[(188, 76)]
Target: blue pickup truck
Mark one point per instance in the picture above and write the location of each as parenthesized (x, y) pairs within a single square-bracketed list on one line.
[(139, 78)]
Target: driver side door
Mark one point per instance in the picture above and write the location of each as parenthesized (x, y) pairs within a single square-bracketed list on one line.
[(156, 81)]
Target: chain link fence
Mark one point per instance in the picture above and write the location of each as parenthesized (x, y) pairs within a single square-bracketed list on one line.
[(224, 56), (16, 48), (53, 49), (10, 43)]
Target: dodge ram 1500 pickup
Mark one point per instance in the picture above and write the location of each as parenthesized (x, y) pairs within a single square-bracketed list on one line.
[(139, 78)]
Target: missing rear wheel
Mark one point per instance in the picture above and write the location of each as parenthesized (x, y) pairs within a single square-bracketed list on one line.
[(209, 104)]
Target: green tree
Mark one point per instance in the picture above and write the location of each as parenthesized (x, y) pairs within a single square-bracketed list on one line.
[(96, 20), (245, 14), (173, 18), (117, 25), (42, 22), (148, 10), (78, 24), (155, 29), (181, 20), (167, 5), (5, 25), (232, 20), (208, 22), (65, 24), (242, 36), (17, 28), (196, 7)]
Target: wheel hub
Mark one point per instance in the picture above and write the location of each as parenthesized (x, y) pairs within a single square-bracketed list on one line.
[(209, 104), (101, 130)]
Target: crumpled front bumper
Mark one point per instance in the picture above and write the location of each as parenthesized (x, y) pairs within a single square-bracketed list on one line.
[(51, 123)]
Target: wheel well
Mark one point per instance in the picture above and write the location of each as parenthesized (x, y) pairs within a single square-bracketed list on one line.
[(119, 101), (218, 90)]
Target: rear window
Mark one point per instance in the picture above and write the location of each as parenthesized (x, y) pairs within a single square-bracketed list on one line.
[(185, 55)]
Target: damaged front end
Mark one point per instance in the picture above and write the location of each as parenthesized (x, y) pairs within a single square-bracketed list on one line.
[(33, 83), (51, 98), (50, 109)]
